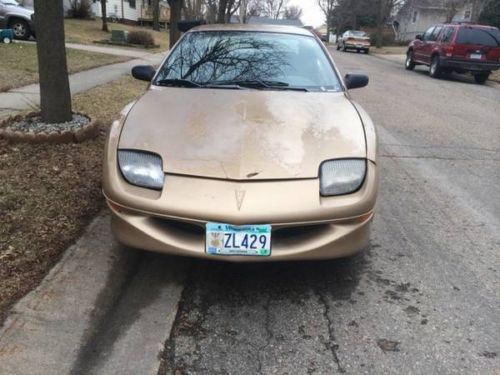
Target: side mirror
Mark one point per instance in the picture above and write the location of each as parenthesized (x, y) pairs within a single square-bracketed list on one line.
[(354, 81), (143, 72), (419, 37)]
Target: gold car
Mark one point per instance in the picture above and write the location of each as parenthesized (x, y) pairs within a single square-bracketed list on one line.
[(246, 147)]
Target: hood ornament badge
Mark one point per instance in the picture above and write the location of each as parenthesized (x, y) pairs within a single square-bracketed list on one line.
[(240, 196)]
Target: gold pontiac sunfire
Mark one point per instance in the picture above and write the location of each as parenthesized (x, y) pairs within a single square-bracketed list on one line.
[(245, 147)]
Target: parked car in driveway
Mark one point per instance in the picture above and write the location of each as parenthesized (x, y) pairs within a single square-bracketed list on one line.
[(18, 18), (460, 48), (354, 39), (246, 146)]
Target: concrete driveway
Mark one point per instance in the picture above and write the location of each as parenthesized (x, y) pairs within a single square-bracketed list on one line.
[(424, 298)]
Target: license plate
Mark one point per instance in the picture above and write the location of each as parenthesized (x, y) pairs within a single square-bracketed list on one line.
[(476, 56), (247, 240)]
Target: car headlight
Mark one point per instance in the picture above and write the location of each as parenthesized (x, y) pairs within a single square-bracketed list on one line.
[(342, 176), (141, 168)]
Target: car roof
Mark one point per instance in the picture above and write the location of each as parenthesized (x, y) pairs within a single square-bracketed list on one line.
[(255, 28), (471, 25)]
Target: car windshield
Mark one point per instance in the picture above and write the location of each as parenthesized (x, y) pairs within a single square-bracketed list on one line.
[(236, 59), (9, 2), (358, 33), (479, 36)]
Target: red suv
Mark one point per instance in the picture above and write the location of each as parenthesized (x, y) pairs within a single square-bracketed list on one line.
[(457, 48)]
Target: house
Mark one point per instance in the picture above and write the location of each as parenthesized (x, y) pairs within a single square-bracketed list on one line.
[(131, 11), (416, 16)]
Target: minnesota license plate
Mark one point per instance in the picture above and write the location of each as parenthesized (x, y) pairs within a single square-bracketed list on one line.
[(476, 56), (247, 240)]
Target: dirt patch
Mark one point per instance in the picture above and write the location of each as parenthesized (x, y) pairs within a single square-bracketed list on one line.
[(49, 193)]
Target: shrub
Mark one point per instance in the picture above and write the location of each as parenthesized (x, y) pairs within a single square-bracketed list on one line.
[(80, 9), (142, 38)]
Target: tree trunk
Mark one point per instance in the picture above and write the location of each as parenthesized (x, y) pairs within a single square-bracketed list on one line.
[(221, 12), (380, 24), (156, 15), (104, 16), (175, 17), (476, 11), (55, 96)]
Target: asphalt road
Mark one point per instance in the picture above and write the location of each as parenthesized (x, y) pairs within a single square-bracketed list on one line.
[(423, 299)]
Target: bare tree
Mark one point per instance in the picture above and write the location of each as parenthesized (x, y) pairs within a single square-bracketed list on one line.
[(292, 12), (273, 8), (226, 9), (55, 96), (175, 17), (156, 14), (249, 9), (328, 7), (104, 16), (193, 9), (385, 8)]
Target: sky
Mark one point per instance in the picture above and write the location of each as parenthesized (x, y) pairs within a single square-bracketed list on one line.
[(312, 14)]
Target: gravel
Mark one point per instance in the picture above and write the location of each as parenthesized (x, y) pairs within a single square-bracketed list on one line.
[(35, 125)]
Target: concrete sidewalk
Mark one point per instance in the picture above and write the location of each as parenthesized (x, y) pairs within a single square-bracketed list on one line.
[(28, 97), (111, 50)]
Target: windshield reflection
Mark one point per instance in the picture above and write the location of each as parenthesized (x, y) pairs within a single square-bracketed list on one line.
[(282, 60)]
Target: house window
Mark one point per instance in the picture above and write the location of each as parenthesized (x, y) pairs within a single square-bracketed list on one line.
[(415, 15), (131, 4), (467, 14)]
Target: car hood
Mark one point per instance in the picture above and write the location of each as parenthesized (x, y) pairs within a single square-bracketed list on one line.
[(20, 11), (244, 134)]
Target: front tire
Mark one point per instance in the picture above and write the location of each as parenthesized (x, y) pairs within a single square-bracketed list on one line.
[(410, 62), (344, 48), (21, 29), (338, 47), (481, 77), (435, 69)]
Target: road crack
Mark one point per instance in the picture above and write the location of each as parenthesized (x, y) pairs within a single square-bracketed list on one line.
[(332, 342), (269, 335)]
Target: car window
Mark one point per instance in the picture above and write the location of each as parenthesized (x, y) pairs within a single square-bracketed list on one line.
[(359, 33), (435, 33), (479, 36), (215, 57), (427, 34), (447, 34), (9, 2)]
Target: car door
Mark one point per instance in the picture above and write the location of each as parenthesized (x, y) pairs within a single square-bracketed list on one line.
[(420, 47), (430, 44)]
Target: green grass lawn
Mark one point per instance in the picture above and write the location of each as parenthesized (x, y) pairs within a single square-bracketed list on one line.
[(89, 31), (19, 65)]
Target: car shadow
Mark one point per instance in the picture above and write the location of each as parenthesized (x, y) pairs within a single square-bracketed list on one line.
[(452, 77)]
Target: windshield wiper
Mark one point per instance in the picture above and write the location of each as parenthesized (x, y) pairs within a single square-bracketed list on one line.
[(177, 83), (260, 84)]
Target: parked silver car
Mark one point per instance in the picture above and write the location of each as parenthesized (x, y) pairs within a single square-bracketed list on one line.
[(18, 18)]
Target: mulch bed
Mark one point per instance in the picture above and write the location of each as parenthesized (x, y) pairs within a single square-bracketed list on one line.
[(47, 192)]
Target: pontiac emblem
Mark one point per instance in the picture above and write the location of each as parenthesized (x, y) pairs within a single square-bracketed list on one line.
[(240, 196)]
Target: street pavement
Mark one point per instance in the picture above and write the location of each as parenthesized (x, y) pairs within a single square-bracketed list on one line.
[(424, 298)]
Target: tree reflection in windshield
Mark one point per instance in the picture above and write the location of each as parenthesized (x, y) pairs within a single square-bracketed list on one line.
[(234, 56)]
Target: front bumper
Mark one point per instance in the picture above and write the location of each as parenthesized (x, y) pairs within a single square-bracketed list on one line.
[(468, 65), (304, 224), (362, 46)]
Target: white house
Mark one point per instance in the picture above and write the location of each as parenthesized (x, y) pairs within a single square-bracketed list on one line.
[(416, 16), (133, 11)]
